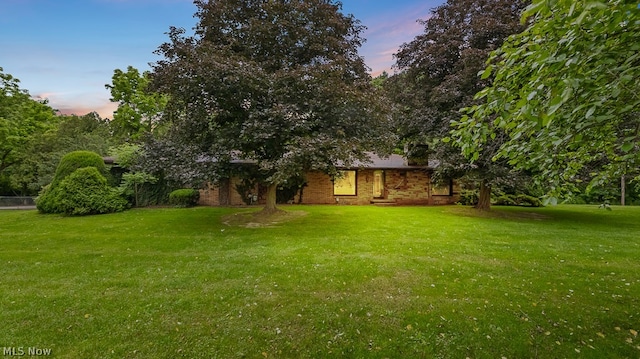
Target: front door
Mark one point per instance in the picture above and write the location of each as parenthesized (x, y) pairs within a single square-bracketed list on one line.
[(378, 184)]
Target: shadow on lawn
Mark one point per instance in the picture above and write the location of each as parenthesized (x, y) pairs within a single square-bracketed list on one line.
[(520, 213), (260, 219), (618, 217)]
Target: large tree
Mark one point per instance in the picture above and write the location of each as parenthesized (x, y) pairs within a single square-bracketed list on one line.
[(139, 110), (279, 83), (438, 75), (566, 92), (22, 118)]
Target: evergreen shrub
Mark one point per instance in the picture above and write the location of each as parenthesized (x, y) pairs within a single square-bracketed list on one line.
[(83, 192), (80, 188), (184, 197), (78, 159)]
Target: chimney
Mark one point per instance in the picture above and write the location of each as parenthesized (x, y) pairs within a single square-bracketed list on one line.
[(417, 155)]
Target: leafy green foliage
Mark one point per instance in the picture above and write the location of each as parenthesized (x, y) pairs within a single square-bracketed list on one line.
[(468, 197), (184, 197), (137, 183), (565, 92), (277, 83), (84, 192), (133, 183), (21, 119), (75, 160), (80, 188), (39, 160), (139, 110), (126, 155), (439, 75), (518, 200)]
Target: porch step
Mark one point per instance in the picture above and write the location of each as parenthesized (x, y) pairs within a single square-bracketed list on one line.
[(383, 202)]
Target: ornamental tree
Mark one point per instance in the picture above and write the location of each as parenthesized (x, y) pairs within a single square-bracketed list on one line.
[(565, 91), (277, 83)]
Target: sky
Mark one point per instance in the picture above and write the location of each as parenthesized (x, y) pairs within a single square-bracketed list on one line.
[(65, 51)]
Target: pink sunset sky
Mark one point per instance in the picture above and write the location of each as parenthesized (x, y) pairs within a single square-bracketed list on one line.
[(66, 51)]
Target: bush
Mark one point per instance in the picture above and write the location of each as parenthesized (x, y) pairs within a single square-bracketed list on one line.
[(468, 197), (45, 201), (518, 200), (526, 200), (78, 159), (133, 186), (185, 197), (505, 200), (85, 191)]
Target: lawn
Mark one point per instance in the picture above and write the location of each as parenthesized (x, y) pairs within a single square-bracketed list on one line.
[(340, 281)]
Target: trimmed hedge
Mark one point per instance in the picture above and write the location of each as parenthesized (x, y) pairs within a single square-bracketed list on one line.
[(83, 192), (80, 187), (78, 159), (184, 197)]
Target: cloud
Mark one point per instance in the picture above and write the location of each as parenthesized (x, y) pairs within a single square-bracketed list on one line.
[(386, 33), (105, 110), (74, 103)]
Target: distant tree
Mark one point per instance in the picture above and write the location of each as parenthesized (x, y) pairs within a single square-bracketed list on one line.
[(276, 82), (71, 133), (139, 110), (566, 93), (21, 120), (380, 80), (438, 75)]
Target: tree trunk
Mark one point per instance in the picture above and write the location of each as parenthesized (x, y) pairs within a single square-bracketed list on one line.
[(623, 190), (484, 200), (270, 205)]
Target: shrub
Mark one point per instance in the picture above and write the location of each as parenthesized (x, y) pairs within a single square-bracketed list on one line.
[(526, 200), (518, 200), (45, 201), (133, 184), (184, 197), (468, 197), (505, 200), (85, 191), (78, 159)]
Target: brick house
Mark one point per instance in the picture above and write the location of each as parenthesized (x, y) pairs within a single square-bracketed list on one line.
[(392, 180)]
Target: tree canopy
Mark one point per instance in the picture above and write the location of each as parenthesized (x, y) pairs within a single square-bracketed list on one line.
[(565, 91), (278, 83), (139, 110), (439, 75), (40, 157), (22, 119)]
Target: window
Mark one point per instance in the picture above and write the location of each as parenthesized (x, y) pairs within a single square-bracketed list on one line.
[(344, 184), (444, 189)]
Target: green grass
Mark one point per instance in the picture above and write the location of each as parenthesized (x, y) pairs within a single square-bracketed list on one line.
[(341, 281)]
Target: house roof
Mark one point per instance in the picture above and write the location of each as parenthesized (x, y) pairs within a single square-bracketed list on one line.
[(393, 161)]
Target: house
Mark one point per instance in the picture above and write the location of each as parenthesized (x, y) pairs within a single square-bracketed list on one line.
[(391, 180)]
